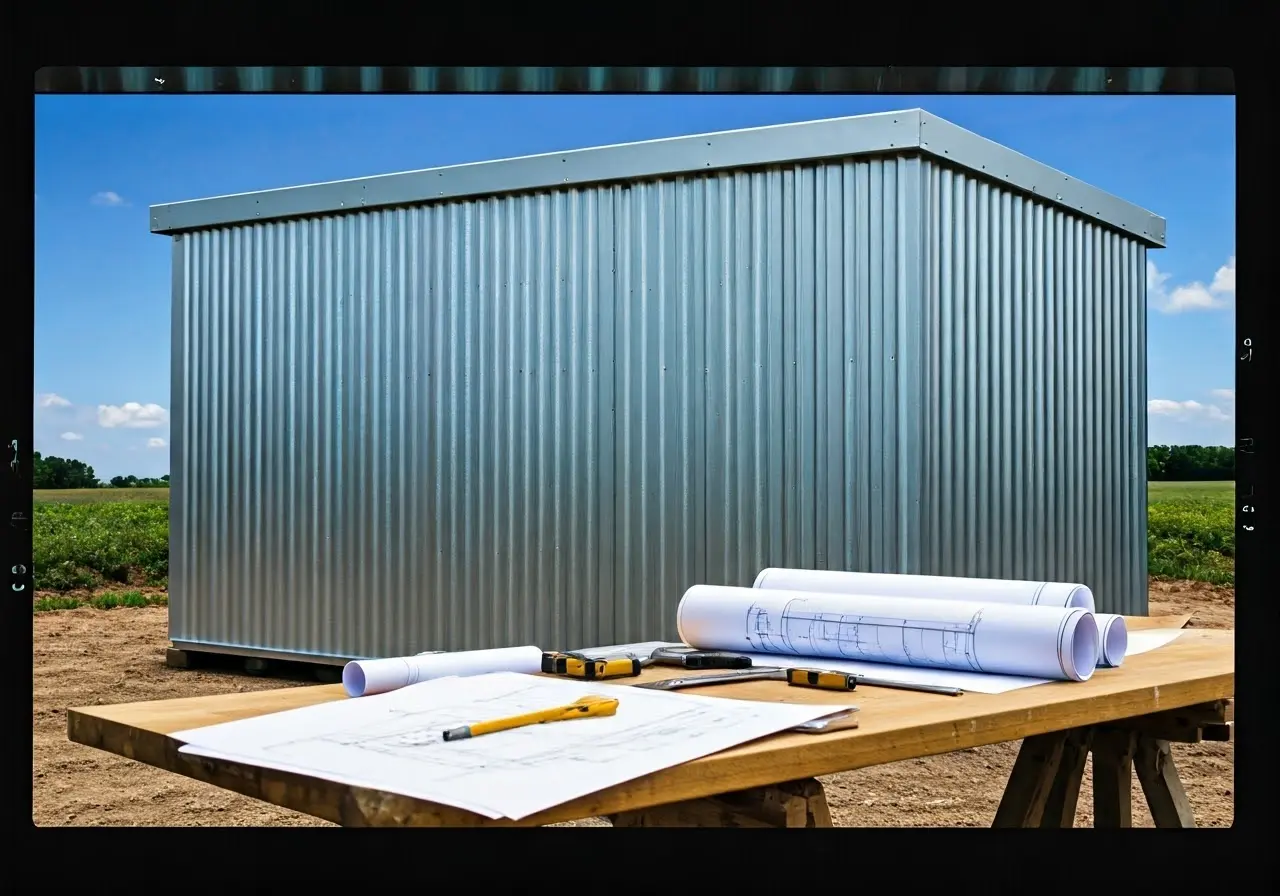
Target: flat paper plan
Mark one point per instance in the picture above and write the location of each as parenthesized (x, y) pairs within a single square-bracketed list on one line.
[(392, 742)]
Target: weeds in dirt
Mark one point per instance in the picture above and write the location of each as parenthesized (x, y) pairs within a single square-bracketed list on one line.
[(110, 600), (87, 546)]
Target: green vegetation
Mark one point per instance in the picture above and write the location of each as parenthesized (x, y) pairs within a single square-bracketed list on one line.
[(1190, 463), (98, 495), (89, 545), (63, 473), (1215, 492), (1191, 531), (108, 601), (58, 472)]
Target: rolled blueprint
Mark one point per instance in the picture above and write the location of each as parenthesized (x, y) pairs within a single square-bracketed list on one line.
[(1113, 639), (987, 591), (1038, 642), (362, 678)]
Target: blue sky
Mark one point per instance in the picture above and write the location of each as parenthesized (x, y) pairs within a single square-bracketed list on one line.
[(102, 279)]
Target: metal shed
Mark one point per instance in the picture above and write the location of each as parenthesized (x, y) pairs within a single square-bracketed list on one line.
[(533, 400)]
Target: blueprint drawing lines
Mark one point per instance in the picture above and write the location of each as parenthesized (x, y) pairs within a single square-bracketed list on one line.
[(414, 735), (802, 631)]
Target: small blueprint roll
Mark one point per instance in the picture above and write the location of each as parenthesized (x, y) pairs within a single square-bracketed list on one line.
[(1113, 639), (987, 591), (1039, 642), (363, 678)]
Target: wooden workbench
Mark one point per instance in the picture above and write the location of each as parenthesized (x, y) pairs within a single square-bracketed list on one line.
[(1126, 717)]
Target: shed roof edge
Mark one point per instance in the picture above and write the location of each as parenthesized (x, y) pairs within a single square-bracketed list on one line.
[(860, 135)]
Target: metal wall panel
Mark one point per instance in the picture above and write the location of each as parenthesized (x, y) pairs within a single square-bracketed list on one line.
[(538, 418), (1034, 393)]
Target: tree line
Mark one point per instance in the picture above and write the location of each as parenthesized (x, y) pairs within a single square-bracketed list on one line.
[(62, 472), (1165, 463), (1190, 463)]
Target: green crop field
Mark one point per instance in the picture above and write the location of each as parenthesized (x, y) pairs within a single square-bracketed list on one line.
[(95, 539), (98, 495), (1191, 531), (95, 544)]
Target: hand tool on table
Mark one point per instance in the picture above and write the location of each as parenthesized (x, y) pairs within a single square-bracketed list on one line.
[(801, 678), (578, 665), (582, 708), (836, 681), (575, 665), (836, 721), (691, 658)]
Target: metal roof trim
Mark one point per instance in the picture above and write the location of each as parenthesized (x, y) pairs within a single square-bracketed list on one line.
[(877, 133), (954, 145)]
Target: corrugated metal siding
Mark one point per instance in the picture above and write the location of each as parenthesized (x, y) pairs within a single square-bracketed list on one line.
[(539, 418), (1035, 393)]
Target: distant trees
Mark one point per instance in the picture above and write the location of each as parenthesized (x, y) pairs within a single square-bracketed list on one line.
[(1190, 463), (59, 472), (135, 482)]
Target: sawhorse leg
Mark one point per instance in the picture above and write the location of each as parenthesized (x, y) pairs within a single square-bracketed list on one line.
[(1044, 785), (795, 804)]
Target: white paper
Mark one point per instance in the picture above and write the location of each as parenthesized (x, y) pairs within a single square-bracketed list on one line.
[(1113, 639), (975, 682), (393, 742), (986, 591), (1149, 639), (362, 678), (1059, 643)]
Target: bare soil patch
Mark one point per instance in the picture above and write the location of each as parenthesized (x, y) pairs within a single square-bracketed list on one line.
[(85, 657)]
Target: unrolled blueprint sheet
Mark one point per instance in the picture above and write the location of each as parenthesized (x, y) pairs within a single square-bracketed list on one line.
[(392, 742), (975, 682)]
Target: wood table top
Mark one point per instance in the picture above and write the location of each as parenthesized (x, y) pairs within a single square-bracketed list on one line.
[(1198, 667)]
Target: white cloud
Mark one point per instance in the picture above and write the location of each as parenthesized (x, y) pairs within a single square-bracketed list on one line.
[(131, 415), (52, 400), (1189, 411), (72, 437), (1194, 296), (155, 443), (1226, 396), (107, 197)]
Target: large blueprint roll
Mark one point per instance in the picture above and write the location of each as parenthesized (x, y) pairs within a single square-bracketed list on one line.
[(987, 591), (1007, 639)]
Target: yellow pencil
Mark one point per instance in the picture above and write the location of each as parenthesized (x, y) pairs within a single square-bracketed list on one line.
[(587, 707)]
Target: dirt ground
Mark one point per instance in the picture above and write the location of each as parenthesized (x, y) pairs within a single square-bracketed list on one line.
[(85, 657)]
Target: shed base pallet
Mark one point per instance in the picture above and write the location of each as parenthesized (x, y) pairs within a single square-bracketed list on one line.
[(180, 658)]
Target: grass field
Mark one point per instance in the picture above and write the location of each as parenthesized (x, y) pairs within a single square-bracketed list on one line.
[(98, 495), (93, 539), (1215, 492)]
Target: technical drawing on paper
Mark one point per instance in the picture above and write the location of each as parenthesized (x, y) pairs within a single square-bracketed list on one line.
[(910, 642), (415, 735)]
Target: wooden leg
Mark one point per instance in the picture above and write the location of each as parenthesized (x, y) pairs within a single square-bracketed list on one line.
[(1153, 761), (1031, 781), (1113, 778), (1060, 807), (795, 804)]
